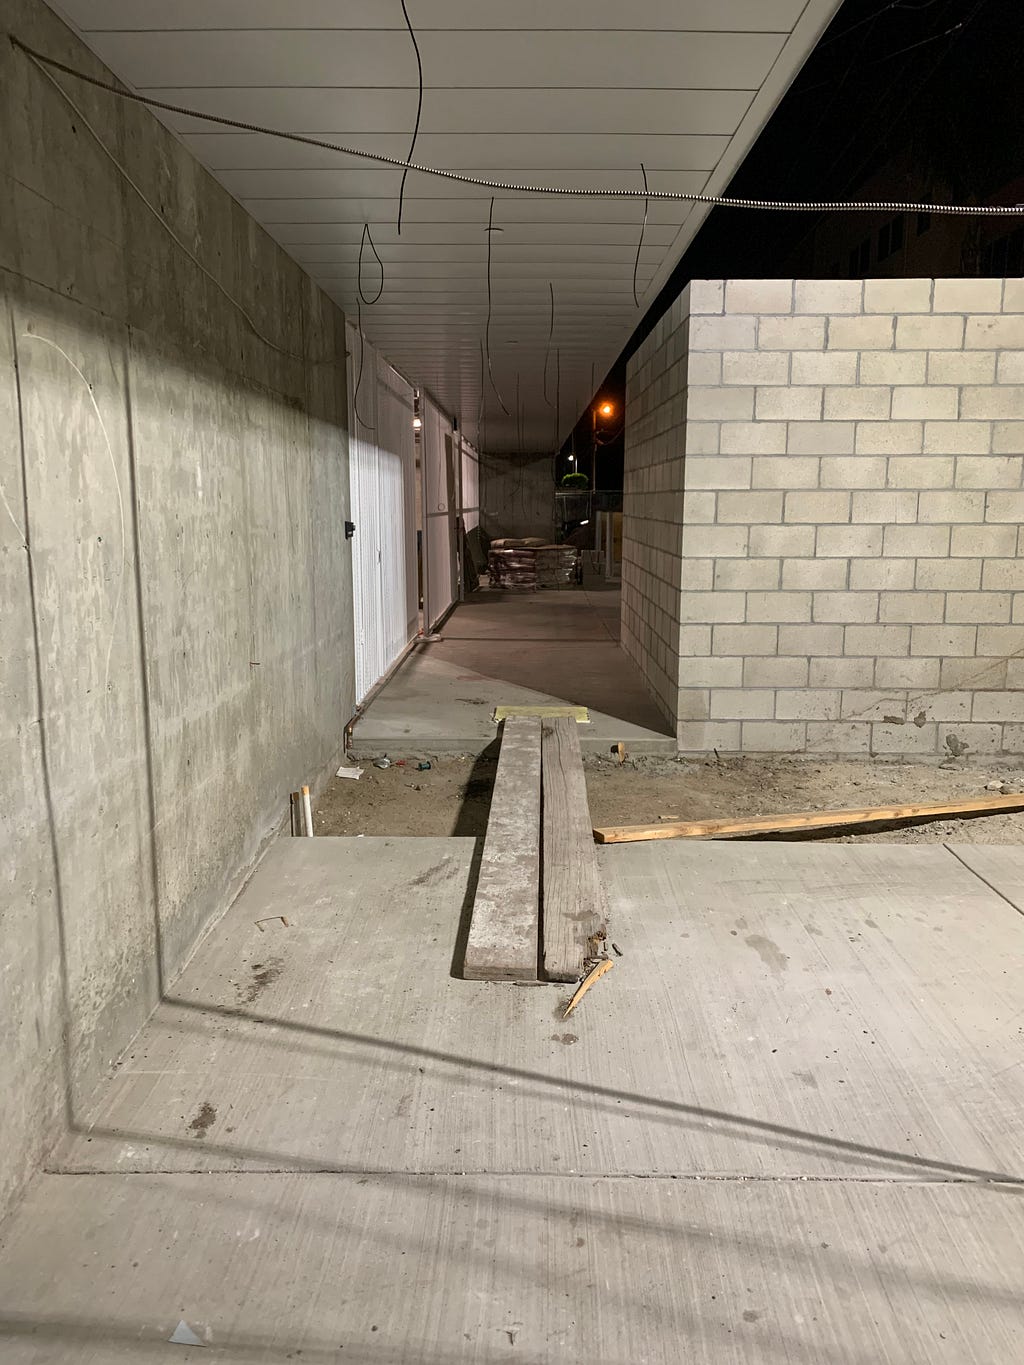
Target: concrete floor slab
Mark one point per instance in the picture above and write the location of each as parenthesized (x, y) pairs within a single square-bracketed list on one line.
[(779, 1010), (522, 649), (784, 1130), (437, 1270), (1000, 865)]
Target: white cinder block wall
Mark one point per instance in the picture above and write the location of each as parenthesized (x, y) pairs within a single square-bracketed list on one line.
[(822, 547)]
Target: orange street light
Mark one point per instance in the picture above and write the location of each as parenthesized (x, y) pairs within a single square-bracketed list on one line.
[(607, 409)]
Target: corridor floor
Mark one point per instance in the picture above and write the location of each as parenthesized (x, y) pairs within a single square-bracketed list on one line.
[(785, 1128), (517, 648)]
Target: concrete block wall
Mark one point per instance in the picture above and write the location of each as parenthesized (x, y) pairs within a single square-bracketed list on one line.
[(845, 462), (175, 629)]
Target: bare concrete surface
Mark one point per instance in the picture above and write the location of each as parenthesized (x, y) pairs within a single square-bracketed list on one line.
[(1002, 868), (521, 649), (784, 1128), (428, 1270), (175, 594), (781, 986)]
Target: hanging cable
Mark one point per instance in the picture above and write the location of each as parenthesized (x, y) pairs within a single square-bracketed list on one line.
[(359, 376), (419, 111), (559, 191), (362, 298), (491, 229), (640, 244), (37, 61), (547, 349), (367, 237)]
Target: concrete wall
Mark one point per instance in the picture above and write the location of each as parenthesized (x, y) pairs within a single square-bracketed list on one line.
[(176, 622), (517, 495), (823, 507)]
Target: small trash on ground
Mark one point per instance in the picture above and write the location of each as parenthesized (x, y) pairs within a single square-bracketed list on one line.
[(605, 965), (619, 750), (183, 1335), (382, 762), (616, 950), (422, 767), (354, 773), (267, 919), (993, 786)]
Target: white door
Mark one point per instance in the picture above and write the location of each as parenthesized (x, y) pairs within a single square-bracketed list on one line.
[(439, 503), (382, 480)]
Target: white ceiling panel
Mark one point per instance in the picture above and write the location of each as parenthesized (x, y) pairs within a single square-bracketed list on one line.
[(370, 57), (570, 93), (470, 112), (768, 16), (481, 153)]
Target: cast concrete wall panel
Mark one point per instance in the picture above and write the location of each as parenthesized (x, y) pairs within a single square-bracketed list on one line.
[(176, 622)]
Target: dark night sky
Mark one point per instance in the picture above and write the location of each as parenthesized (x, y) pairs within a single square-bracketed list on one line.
[(932, 84)]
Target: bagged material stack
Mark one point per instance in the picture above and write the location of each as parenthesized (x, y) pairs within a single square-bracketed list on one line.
[(513, 568), (556, 566), (514, 564)]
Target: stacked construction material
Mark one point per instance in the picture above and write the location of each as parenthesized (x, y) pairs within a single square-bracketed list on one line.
[(556, 566), (512, 566), (531, 564)]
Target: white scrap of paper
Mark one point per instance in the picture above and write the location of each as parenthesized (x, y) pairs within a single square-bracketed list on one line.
[(354, 773), (184, 1336)]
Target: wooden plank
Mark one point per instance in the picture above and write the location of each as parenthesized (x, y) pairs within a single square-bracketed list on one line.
[(575, 905), (822, 819), (580, 714), (503, 941)]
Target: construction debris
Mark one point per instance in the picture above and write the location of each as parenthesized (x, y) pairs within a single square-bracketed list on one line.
[(809, 820), (183, 1335), (595, 974), (267, 919)]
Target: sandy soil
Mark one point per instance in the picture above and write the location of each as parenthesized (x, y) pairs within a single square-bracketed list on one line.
[(453, 796)]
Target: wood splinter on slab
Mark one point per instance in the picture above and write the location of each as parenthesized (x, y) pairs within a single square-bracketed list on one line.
[(595, 974)]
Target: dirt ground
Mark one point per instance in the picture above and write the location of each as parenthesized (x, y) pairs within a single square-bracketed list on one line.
[(453, 795)]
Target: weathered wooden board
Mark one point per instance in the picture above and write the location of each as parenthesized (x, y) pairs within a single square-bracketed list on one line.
[(503, 942), (575, 906), (805, 820)]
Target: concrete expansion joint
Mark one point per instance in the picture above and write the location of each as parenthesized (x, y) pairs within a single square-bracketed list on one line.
[(440, 1173)]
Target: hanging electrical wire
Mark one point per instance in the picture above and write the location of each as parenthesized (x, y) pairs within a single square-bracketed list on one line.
[(419, 112), (547, 348), (361, 298), (559, 191), (367, 237), (247, 317), (359, 376), (640, 244), (491, 229)]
